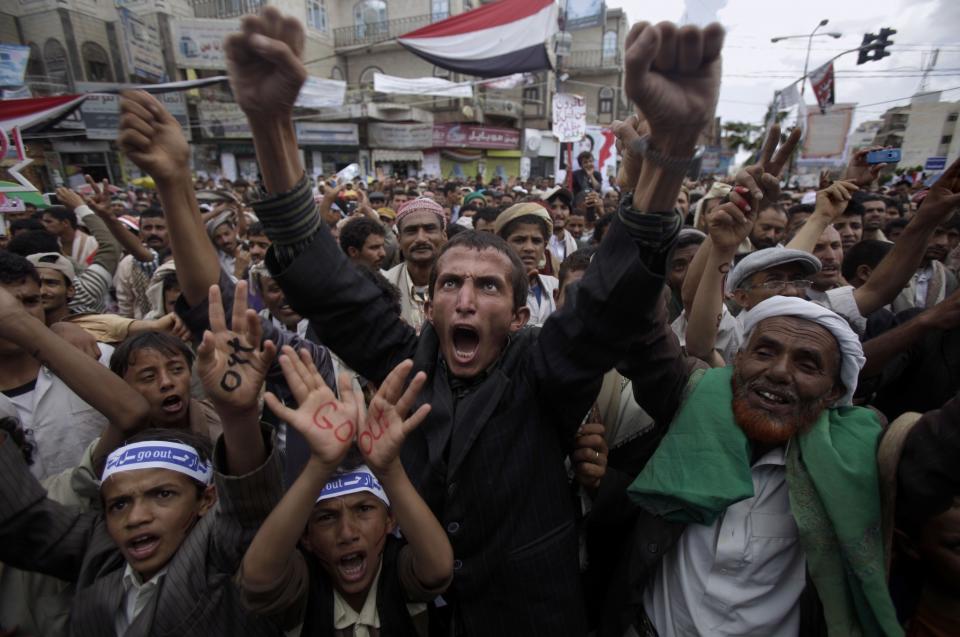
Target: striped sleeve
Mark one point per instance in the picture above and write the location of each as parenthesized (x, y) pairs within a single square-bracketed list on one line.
[(650, 230), (290, 220), (244, 502), (36, 533), (92, 286)]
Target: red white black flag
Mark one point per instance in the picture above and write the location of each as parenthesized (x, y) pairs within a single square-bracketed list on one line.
[(821, 80), (496, 39)]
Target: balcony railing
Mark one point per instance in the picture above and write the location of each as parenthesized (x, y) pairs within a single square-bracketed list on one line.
[(225, 8), (374, 32), (593, 59)]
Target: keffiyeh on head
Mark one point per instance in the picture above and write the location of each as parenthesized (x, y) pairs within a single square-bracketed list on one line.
[(418, 205), (851, 352)]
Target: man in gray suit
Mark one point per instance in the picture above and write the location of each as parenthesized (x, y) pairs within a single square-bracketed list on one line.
[(160, 558)]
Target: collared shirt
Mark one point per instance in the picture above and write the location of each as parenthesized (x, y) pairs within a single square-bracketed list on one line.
[(743, 574), (541, 308), (922, 277), (412, 299), (348, 622), (136, 595), (62, 423), (562, 248)]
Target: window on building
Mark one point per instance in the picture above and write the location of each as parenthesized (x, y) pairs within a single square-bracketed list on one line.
[(439, 9), (605, 105), (35, 62), (55, 59), (366, 78), (609, 47), (946, 139), (952, 117), (336, 73), (370, 18), (531, 94), (317, 15), (96, 62)]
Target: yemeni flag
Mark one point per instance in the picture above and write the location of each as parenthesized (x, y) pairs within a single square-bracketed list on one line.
[(497, 39), (24, 113)]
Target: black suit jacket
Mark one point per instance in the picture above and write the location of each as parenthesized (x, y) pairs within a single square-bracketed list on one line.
[(488, 459)]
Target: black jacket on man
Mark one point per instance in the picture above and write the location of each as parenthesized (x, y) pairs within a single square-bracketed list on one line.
[(489, 458)]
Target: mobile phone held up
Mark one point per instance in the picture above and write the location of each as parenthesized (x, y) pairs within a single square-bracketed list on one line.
[(885, 156)]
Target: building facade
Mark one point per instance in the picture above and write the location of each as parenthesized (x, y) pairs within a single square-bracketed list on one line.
[(503, 129)]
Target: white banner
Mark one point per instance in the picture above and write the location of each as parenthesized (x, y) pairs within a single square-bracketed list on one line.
[(327, 134), (199, 43), (420, 86), (222, 120), (144, 51), (383, 135), (101, 111), (569, 117), (318, 92), (827, 134)]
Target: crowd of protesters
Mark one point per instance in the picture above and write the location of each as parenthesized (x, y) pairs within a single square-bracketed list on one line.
[(640, 405)]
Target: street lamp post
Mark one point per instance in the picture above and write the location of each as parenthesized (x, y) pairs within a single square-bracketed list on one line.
[(806, 61)]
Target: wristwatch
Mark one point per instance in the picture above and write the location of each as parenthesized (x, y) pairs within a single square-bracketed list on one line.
[(681, 165)]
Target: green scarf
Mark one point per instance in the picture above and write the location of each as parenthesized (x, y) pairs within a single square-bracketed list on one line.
[(702, 466)]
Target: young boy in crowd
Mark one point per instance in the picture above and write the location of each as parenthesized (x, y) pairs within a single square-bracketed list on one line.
[(160, 558), (351, 576)]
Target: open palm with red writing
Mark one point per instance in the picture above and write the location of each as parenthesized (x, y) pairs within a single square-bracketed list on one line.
[(329, 424), (386, 426)]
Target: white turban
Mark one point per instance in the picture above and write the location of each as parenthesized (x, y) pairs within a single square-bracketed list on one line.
[(851, 352)]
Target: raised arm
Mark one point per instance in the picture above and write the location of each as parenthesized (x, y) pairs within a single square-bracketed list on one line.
[(108, 250), (125, 409), (352, 315), (100, 204), (673, 76), (728, 224), (832, 201), (266, 74), (880, 350), (232, 364), (275, 545), (153, 140), (762, 181), (895, 269), (380, 437)]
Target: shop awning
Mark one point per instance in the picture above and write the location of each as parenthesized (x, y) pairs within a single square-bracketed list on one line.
[(382, 155)]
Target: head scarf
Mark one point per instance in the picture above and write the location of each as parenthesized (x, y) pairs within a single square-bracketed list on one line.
[(418, 205), (526, 209), (851, 352)]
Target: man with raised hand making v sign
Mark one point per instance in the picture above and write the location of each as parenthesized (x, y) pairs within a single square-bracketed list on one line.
[(506, 401)]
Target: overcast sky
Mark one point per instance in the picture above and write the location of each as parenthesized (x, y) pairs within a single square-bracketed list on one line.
[(753, 67)]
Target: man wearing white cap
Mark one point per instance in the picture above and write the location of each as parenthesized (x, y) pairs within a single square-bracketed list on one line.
[(747, 522)]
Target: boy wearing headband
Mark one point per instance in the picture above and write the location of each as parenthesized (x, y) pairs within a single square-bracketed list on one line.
[(160, 558), (350, 574)]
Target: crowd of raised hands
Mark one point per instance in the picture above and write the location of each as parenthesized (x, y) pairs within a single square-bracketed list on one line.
[(274, 371)]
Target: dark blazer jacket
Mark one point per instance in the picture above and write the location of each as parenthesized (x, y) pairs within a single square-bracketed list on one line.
[(488, 460)]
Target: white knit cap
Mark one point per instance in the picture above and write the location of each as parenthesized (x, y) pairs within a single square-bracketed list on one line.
[(851, 352)]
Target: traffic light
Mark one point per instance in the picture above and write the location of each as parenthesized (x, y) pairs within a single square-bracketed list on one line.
[(883, 41), (874, 47), (864, 51)]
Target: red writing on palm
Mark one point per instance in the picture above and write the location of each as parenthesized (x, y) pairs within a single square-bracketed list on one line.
[(325, 417), (378, 427)]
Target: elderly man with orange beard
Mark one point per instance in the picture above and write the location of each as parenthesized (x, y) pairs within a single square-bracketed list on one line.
[(760, 509)]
